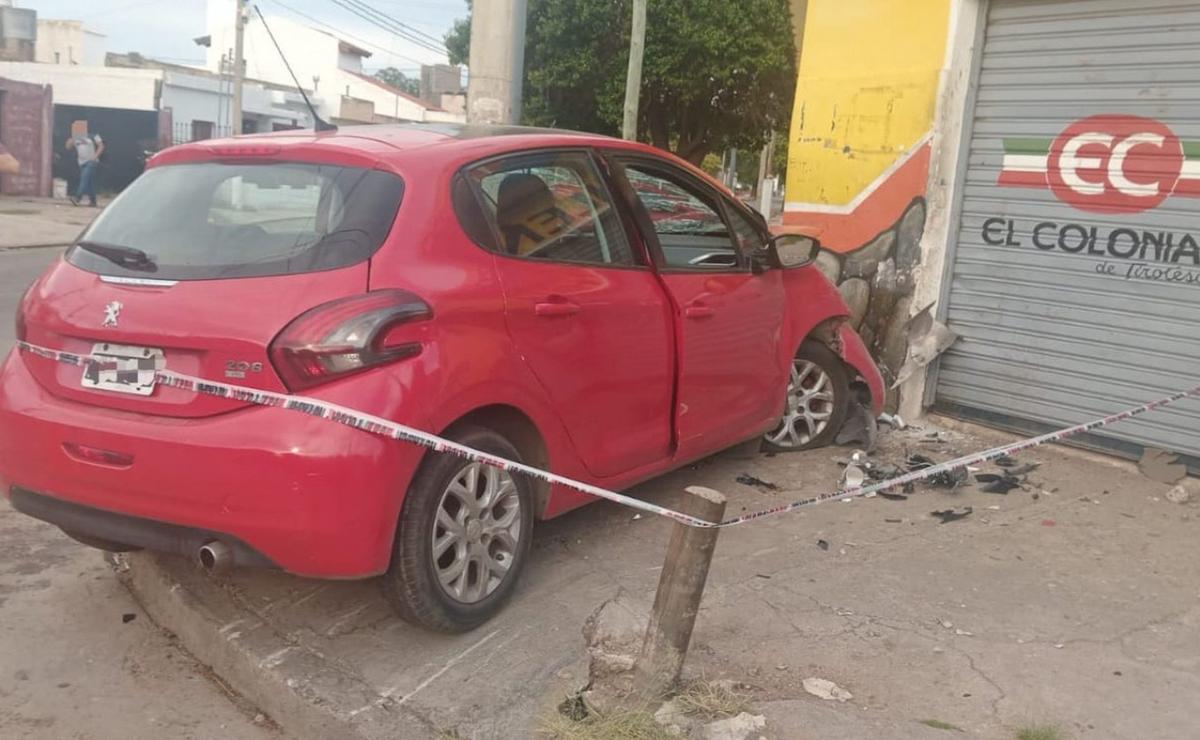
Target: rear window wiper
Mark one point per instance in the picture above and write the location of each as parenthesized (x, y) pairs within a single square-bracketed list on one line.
[(127, 257)]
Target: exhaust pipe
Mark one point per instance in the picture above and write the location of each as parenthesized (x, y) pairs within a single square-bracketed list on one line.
[(215, 556)]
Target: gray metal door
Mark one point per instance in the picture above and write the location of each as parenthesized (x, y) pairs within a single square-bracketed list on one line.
[(1075, 276)]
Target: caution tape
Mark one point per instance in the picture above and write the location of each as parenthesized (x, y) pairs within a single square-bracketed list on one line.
[(387, 428)]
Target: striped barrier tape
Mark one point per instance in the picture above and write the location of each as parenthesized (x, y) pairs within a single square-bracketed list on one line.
[(387, 428)]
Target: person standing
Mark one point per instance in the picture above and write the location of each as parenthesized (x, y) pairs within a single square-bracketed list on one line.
[(88, 149)]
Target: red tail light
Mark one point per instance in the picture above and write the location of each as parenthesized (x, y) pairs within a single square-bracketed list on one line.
[(347, 336)]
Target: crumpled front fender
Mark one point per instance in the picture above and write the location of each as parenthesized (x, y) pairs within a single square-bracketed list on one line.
[(854, 352)]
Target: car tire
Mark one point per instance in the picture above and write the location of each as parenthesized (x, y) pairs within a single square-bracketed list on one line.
[(100, 543), (818, 399), (481, 540)]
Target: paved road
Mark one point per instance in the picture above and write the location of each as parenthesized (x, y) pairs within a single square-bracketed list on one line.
[(70, 665)]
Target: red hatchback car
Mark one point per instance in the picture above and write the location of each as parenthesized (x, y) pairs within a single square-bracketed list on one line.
[(579, 303)]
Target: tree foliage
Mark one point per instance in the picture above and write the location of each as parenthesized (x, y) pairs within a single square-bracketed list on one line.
[(716, 73), (398, 79), (458, 39)]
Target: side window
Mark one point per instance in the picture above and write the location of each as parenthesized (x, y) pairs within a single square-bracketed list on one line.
[(551, 206), (688, 224)]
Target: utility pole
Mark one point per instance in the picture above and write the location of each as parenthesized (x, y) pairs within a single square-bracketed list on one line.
[(497, 62), (633, 80), (239, 67)]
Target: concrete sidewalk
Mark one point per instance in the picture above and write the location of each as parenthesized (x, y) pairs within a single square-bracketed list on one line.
[(41, 222), (1078, 606)]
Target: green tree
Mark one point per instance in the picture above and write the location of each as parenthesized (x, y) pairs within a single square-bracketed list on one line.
[(458, 39), (716, 74), (398, 79)]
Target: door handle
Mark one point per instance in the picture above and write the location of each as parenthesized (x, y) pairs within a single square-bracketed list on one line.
[(556, 308), (697, 311)]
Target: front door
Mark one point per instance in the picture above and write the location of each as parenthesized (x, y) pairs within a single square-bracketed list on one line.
[(585, 311), (731, 385)]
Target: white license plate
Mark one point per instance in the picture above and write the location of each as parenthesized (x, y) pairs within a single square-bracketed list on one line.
[(123, 369)]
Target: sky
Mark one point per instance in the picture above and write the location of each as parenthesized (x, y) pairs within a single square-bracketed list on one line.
[(164, 29)]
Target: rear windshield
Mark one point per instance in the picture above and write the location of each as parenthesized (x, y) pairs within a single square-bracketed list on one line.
[(217, 220)]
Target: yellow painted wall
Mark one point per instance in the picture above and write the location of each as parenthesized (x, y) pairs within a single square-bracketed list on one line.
[(866, 92)]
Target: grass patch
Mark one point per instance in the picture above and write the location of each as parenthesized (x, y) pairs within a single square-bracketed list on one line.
[(711, 701), (1041, 732), (626, 725), (937, 724)]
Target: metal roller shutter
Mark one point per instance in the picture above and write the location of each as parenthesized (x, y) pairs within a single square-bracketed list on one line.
[(1075, 276)]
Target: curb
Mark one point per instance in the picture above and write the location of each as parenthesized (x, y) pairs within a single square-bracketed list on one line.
[(293, 684)]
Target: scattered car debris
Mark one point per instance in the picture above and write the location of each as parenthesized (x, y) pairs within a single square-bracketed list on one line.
[(893, 420), (952, 515), (749, 480), (945, 479), (823, 544), (993, 483), (894, 521), (853, 477), (128, 617), (927, 338), (825, 689), (1025, 469), (893, 496), (917, 461), (1049, 523), (1005, 461), (1162, 466)]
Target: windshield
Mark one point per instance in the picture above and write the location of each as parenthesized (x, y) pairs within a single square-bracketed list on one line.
[(214, 220)]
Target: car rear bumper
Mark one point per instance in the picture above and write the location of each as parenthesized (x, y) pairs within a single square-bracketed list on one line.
[(313, 497)]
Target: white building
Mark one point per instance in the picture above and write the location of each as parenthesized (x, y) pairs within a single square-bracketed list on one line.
[(68, 42), (333, 68), (200, 102)]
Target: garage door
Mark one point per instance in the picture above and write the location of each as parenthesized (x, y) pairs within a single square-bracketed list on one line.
[(1075, 277)]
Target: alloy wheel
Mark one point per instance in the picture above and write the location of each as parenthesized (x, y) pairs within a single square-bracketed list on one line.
[(810, 404), (476, 532)]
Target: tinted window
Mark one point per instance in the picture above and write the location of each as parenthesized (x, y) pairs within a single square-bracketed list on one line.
[(687, 221), (212, 220), (551, 206)]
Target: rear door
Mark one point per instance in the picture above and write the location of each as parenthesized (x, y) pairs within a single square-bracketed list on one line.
[(583, 308), (730, 383)]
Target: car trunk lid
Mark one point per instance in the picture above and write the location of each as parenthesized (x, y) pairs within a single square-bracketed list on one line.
[(217, 330)]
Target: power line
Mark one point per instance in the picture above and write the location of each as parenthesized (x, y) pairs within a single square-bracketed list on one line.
[(381, 21), (340, 32), (378, 19), (362, 4)]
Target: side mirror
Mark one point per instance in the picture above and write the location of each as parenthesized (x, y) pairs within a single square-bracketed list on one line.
[(793, 250)]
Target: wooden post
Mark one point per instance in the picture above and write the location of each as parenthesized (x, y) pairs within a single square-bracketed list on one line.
[(678, 599)]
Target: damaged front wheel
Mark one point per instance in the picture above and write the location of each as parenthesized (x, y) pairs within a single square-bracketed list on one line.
[(818, 397)]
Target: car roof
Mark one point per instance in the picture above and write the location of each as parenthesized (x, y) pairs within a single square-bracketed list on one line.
[(447, 144), (386, 141)]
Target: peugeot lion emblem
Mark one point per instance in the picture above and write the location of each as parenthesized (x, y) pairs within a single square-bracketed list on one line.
[(111, 312)]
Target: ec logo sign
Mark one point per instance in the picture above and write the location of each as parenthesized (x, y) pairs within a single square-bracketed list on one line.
[(1106, 164)]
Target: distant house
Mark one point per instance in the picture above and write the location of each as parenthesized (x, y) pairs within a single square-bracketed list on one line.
[(331, 65), (68, 42)]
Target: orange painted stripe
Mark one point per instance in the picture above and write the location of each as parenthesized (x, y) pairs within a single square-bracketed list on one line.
[(845, 232)]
